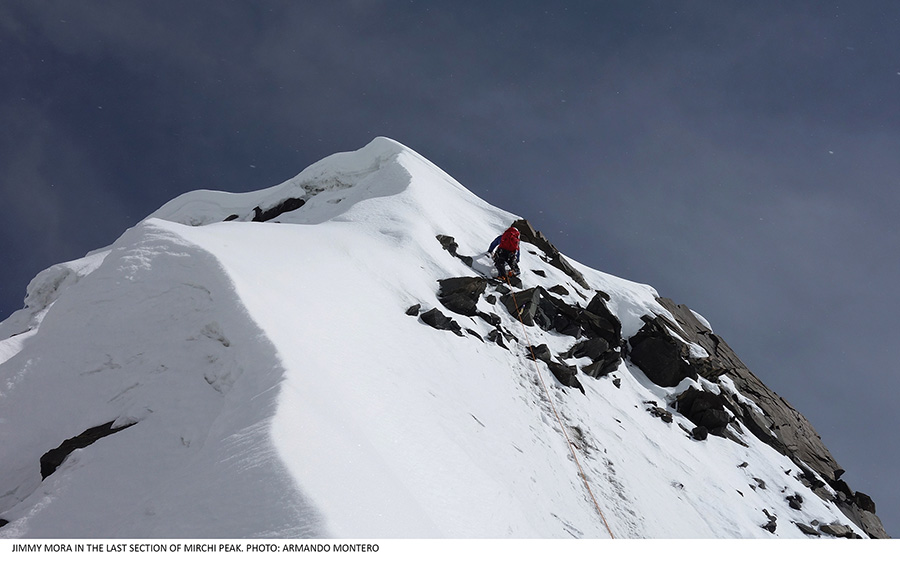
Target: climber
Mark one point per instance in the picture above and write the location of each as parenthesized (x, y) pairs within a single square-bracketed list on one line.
[(507, 252)]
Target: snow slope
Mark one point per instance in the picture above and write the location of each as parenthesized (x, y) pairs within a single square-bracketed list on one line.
[(273, 385)]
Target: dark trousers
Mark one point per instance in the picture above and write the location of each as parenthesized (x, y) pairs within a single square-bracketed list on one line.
[(502, 258)]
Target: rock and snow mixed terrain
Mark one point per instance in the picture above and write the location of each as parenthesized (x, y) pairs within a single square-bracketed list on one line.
[(325, 359)]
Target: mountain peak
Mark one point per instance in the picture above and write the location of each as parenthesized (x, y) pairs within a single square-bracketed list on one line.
[(326, 188), (331, 357)]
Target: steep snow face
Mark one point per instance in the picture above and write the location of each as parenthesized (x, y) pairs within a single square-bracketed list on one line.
[(272, 384)]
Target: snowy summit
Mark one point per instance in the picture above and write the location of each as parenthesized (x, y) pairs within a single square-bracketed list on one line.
[(330, 357)]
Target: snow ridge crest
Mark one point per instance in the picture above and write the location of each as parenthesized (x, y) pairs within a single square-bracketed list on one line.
[(333, 184)]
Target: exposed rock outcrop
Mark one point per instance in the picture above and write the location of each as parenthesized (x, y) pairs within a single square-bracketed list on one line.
[(551, 254), (563, 372), (54, 458), (670, 352), (461, 294), (437, 320), (705, 409), (724, 400), (287, 205)]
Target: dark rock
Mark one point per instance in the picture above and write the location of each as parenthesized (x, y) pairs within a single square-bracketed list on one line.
[(567, 325), (231, 217), (617, 382), (448, 243), (607, 363), (496, 336), (700, 433), (529, 235), (539, 273), (559, 289), (705, 409), (780, 425), (868, 521), (475, 333), (660, 413), (461, 294), (608, 321), (795, 501), (808, 530), (590, 348), (3, 522), (491, 318), (772, 525), (842, 489), (837, 530), (526, 307), (537, 306), (567, 375), (541, 352), (605, 359), (864, 502), (54, 458), (666, 360), (659, 355), (413, 310), (287, 205), (437, 320)]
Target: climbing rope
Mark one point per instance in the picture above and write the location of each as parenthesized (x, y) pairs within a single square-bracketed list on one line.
[(562, 425)]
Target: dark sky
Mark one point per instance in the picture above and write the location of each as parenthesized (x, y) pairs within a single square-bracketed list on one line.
[(741, 157)]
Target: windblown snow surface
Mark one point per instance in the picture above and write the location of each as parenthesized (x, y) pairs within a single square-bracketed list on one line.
[(272, 385)]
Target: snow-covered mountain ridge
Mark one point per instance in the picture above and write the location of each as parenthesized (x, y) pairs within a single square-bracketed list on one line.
[(325, 358)]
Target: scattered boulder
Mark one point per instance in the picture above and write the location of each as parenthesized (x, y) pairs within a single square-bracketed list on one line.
[(567, 375), (413, 310), (659, 412), (806, 529), (590, 348), (660, 355), (602, 319), (772, 523), (461, 294), (450, 245), (838, 530), (496, 336), (559, 289), (604, 359), (705, 409), (700, 433), (795, 501), (437, 320)]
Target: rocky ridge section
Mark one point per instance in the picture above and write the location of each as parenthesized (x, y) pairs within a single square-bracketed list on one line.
[(729, 402), (668, 353)]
